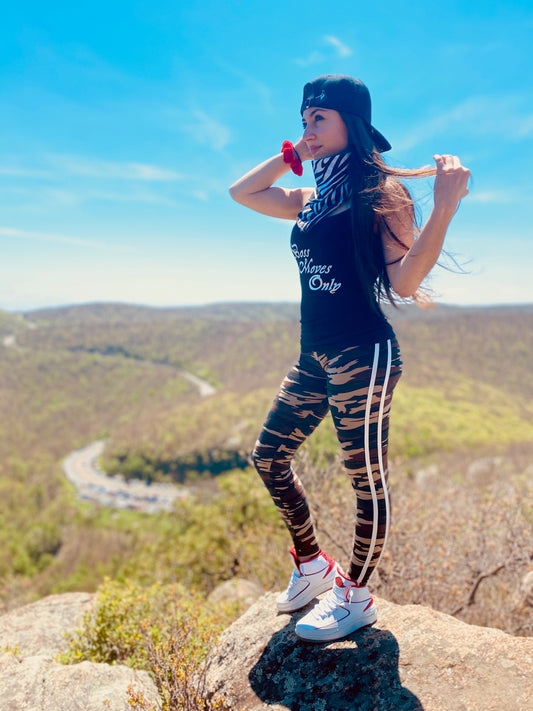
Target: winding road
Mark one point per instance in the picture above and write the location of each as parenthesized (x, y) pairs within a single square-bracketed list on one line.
[(9, 341), (205, 389), (92, 484)]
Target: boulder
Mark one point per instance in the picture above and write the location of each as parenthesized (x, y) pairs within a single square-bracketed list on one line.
[(236, 590), (40, 628), (413, 658), (30, 678), (40, 684)]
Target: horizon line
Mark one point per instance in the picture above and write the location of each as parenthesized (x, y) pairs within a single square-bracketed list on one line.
[(208, 304)]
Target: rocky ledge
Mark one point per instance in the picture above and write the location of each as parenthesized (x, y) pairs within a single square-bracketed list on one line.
[(30, 678), (414, 658)]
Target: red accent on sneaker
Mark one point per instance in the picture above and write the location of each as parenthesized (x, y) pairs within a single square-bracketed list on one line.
[(314, 557), (349, 581), (339, 582), (331, 563), (295, 558), (298, 562), (370, 603)]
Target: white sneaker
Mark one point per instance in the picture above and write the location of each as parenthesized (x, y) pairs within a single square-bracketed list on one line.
[(344, 609), (308, 580)]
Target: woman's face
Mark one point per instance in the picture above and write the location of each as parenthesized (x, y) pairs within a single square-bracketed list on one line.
[(325, 132)]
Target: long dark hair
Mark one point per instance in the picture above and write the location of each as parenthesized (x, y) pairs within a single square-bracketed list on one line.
[(376, 193)]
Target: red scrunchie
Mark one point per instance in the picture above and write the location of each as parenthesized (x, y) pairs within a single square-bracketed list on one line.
[(291, 157)]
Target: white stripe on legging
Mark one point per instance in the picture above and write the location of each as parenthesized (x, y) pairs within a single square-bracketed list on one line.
[(380, 457), (380, 448)]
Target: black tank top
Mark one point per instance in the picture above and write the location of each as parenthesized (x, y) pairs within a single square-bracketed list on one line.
[(334, 311)]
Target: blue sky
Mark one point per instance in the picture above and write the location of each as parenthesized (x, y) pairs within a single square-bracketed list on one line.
[(124, 123)]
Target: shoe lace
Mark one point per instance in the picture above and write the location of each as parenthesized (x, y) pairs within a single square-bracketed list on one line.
[(330, 602), (294, 578)]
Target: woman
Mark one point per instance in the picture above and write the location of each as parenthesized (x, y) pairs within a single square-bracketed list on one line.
[(354, 242)]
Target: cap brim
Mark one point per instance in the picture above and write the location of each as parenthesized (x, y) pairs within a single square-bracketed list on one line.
[(379, 139)]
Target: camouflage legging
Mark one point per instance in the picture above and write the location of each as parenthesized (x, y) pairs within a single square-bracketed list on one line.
[(356, 384)]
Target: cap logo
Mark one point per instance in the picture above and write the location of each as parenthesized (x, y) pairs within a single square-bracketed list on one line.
[(342, 93), (315, 100)]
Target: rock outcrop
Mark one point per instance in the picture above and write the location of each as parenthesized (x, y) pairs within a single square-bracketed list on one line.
[(236, 589), (30, 678), (413, 658), (40, 628)]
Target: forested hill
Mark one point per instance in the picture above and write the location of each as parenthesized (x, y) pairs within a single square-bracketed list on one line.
[(477, 358), (112, 312), (235, 311), (71, 375), (234, 342)]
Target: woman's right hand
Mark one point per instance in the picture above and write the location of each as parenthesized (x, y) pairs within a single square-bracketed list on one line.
[(302, 150), (257, 191)]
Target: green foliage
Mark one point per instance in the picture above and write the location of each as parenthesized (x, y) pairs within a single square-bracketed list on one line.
[(227, 530), (213, 434), (184, 468), (468, 415), (461, 537), (126, 615), (162, 628), (30, 517), (76, 373)]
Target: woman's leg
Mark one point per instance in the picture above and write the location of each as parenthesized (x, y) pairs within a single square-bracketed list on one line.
[(360, 385), (299, 407)]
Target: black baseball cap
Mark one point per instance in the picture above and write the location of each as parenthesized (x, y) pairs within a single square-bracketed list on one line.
[(346, 95)]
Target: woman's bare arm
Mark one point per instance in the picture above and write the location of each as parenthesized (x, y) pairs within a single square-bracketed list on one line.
[(407, 269), (256, 188)]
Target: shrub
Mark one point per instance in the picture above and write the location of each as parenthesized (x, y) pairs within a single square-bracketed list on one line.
[(163, 629), (461, 536)]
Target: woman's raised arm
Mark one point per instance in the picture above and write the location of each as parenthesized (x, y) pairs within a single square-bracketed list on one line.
[(255, 189), (407, 270)]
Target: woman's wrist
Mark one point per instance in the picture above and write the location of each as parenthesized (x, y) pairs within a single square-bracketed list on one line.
[(301, 147), (291, 157), (445, 211)]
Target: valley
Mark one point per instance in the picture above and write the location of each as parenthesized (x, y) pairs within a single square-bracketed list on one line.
[(178, 396)]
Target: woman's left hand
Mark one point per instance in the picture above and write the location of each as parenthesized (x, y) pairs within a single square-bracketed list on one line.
[(451, 182)]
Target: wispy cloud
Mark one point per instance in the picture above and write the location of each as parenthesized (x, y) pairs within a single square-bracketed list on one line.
[(207, 131), (462, 113), (102, 169), (65, 181), (252, 85), (314, 58), (57, 238), (499, 197), (476, 115), (137, 196), (202, 195), (331, 45), (525, 127), (48, 237), (57, 166), (341, 49), (15, 172)]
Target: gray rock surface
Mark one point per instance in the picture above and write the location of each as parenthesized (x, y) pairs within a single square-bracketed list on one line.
[(30, 678), (40, 628), (413, 658), (236, 589), (40, 684)]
